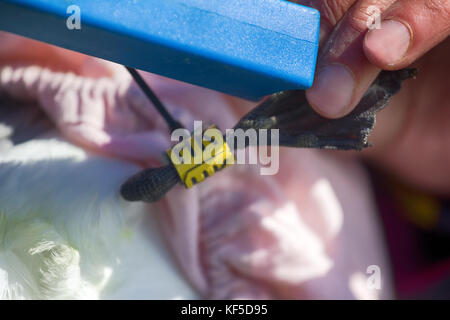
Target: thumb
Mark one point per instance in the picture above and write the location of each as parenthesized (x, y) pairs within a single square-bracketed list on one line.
[(409, 29)]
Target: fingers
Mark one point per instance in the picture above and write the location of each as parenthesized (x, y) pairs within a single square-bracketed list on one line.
[(331, 11), (343, 71), (409, 29)]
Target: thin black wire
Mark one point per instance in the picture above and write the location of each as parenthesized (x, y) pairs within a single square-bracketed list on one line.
[(171, 122)]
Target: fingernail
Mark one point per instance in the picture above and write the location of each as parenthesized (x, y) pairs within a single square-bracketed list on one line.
[(389, 43), (332, 91)]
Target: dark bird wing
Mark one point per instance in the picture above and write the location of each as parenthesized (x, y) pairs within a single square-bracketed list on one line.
[(301, 127)]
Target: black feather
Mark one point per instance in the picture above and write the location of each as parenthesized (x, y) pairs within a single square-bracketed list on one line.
[(301, 127), (150, 185)]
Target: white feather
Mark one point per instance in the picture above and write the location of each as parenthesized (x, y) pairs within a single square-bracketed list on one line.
[(65, 233)]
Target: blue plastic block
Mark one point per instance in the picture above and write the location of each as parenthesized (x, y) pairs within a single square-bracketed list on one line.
[(246, 48)]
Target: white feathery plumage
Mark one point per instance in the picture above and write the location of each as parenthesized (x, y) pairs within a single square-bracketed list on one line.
[(65, 233)]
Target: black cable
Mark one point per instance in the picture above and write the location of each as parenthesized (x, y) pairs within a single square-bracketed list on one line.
[(171, 122)]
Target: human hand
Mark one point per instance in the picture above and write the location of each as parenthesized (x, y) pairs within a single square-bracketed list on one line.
[(351, 57), (412, 136)]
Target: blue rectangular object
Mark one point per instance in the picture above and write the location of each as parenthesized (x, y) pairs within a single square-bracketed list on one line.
[(246, 48)]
